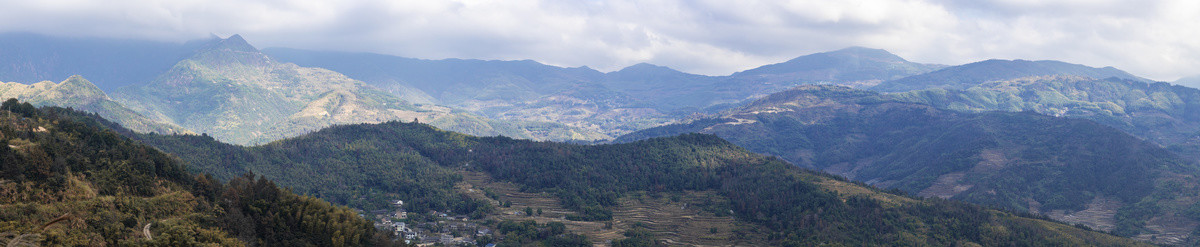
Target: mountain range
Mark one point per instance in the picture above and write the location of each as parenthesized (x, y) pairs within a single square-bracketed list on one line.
[(968, 75), (1168, 115), (232, 91), (522, 99), (227, 88), (633, 98), (1073, 170)]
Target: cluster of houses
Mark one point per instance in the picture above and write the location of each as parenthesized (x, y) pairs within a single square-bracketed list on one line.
[(449, 230)]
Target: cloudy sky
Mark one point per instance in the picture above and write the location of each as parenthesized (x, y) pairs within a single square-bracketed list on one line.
[(1156, 39)]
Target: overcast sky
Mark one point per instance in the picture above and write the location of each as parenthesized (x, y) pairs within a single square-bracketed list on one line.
[(1156, 39)]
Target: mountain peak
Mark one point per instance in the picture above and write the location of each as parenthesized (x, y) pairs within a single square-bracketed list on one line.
[(235, 43), (79, 89), (645, 67), (849, 64), (864, 52), (231, 50), (77, 81), (644, 64)]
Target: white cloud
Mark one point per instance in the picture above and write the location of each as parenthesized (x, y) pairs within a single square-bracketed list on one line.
[(1157, 39)]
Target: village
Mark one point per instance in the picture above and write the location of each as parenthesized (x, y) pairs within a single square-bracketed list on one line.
[(442, 230)]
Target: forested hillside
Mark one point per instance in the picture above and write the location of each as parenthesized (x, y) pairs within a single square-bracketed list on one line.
[(418, 163), (1070, 169), (67, 180), (1165, 114)]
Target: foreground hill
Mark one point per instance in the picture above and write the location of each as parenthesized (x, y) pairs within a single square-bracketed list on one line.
[(1165, 114), (81, 94), (235, 93), (67, 181), (1072, 170), (614, 103), (369, 165)]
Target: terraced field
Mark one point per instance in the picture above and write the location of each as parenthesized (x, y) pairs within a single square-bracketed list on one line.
[(676, 218)]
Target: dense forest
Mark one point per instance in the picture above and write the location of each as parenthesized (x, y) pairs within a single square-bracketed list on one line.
[(66, 179), (415, 162)]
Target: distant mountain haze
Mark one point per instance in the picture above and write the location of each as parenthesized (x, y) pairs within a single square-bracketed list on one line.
[(968, 75), (614, 103), (232, 91), (110, 63), (1190, 81), (80, 94), (508, 90), (857, 67)]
